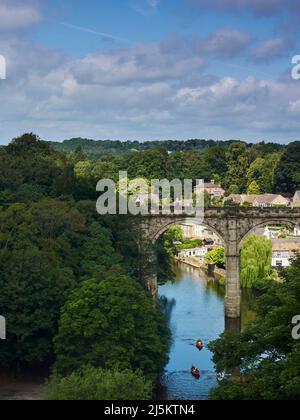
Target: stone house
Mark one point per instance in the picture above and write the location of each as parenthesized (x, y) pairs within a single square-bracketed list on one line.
[(214, 190), (283, 251), (263, 200), (296, 199)]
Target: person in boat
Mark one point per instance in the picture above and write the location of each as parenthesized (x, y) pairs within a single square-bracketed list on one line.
[(200, 345), (195, 372)]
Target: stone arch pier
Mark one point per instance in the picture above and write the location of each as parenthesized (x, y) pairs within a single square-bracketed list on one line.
[(232, 224)]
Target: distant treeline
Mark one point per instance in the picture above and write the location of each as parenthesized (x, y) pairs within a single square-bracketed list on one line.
[(238, 166), (94, 149)]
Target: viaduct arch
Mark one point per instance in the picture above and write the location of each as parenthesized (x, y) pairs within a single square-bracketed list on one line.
[(232, 225)]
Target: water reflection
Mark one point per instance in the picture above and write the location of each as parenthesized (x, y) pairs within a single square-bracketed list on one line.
[(195, 307)]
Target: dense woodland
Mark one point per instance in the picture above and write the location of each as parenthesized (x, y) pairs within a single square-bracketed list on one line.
[(70, 279), (239, 167)]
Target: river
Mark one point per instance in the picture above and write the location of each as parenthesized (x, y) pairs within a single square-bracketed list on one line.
[(195, 308)]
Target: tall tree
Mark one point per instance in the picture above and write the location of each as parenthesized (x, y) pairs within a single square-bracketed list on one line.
[(262, 171), (254, 188), (112, 323), (237, 166), (38, 271), (287, 176), (79, 155), (256, 261)]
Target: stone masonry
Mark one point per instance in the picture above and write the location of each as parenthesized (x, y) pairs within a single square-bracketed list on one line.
[(232, 225)]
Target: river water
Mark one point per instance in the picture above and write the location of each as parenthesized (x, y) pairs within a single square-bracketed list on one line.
[(195, 309)]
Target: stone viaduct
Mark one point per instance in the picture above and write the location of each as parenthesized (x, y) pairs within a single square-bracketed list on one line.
[(232, 225)]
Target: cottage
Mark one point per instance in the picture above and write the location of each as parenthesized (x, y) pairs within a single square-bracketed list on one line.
[(214, 190), (193, 253), (192, 230), (296, 199), (263, 200), (283, 251), (270, 200), (270, 232), (297, 231)]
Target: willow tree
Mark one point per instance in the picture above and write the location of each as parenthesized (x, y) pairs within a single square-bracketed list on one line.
[(256, 261)]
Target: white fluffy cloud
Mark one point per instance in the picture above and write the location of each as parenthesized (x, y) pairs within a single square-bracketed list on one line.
[(146, 91), (18, 15), (227, 42), (272, 48), (140, 63)]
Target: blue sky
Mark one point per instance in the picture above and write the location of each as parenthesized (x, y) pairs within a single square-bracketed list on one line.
[(150, 69)]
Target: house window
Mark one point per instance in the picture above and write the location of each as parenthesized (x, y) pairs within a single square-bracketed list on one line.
[(279, 263)]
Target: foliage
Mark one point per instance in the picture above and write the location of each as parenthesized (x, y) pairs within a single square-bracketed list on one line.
[(256, 261), (268, 356), (262, 171), (234, 189), (98, 254), (237, 165), (202, 197), (79, 155), (45, 249), (246, 204), (216, 257), (111, 323), (55, 250), (170, 237), (94, 384), (287, 175), (31, 170), (233, 164), (96, 149), (231, 203), (254, 188), (189, 244), (38, 271), (165, 270)]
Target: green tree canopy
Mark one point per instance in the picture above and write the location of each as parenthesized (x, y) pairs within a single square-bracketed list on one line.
[(97, 253), (268, 356), (254, 188), (111, 323), (256, 261), (233, 189), (262, 171), (237, 166), (38, 271), (216, 257), (170, 237), (94, 384), (30, 170), (150, 164), (287, 175)]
